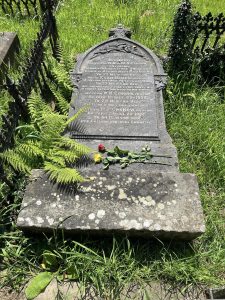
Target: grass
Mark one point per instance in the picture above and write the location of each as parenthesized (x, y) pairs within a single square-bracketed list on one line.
[(196, 123)]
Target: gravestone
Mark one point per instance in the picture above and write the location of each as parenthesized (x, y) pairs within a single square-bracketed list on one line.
[(121, 82), (9, 45)]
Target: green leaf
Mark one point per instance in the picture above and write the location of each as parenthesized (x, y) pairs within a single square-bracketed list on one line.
[(117, 158), (120, 152), (50, 260), (105, 161), (111, 153), (38, 285), (124, 160), (110, 159), (134, 155)]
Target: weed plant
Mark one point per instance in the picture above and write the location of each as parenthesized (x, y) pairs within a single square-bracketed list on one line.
[(196, 123)]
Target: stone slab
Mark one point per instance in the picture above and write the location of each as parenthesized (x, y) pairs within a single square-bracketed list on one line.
[(120, 82), (134, 203), (9, 45)]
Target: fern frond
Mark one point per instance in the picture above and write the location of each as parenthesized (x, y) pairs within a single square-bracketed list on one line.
[(59, 52), (36, 106), (77, 114), (30, 148), (26, 131), (62, 76), (15, 160), (62, 175), (68, 155), (41, 144), (60, 100), (51, 125), (57, 160), (72, 144)]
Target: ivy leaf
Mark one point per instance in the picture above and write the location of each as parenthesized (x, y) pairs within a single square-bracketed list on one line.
[(38, 285)]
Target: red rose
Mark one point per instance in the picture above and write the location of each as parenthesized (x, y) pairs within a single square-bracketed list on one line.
[(101, 148)]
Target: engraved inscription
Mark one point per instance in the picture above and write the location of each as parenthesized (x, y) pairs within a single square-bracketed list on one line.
[(120, 91), (120, 47)]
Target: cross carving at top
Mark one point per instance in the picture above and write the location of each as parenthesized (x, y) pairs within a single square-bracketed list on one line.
[(120, 31)]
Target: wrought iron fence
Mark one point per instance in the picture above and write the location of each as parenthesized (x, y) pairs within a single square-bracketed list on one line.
[(34, 73), (198, 39), (26, 7)]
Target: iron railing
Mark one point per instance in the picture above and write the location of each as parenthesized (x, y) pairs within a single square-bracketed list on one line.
[(34, 73), (198, 39)]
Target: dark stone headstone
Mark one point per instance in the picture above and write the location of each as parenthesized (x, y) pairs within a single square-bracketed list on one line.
[(9, 45), (118, 84), (121, 82)]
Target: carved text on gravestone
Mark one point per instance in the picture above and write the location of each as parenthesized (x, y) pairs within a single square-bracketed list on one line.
[(119, 90)]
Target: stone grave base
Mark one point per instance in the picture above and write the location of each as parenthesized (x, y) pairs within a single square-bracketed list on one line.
[(133, 203)]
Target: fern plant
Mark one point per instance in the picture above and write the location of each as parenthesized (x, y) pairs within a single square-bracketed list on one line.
[(60, 85), (41, 144)]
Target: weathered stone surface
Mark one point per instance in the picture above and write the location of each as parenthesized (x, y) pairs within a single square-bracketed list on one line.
[(9, 44), (121, 81), (120, 91), (137, 203)]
